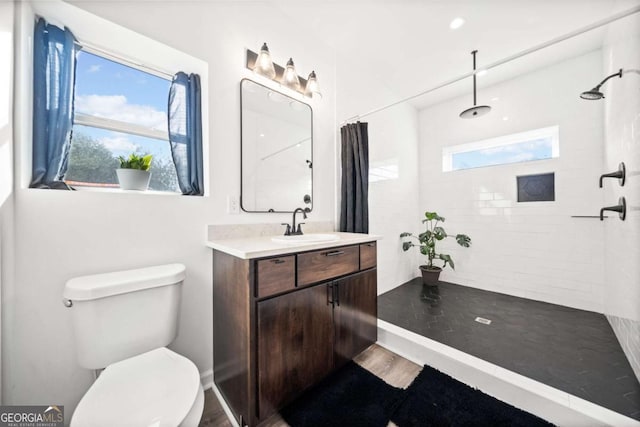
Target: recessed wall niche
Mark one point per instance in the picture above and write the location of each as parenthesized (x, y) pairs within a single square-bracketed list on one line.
[(536, 188)]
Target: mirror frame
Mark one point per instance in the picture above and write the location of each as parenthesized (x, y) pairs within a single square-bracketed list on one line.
[(308, 206)]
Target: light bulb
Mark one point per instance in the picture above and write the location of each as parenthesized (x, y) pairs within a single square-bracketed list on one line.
[(313, 88), (264, 65), (290, 77)]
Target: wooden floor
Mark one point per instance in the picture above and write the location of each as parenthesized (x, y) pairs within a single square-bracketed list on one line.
[(395, 370)]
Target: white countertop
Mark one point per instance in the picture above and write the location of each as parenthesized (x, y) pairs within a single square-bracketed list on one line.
[(263, 246)]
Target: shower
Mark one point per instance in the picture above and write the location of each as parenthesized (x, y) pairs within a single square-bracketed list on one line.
[(595, 94), (476, 110)]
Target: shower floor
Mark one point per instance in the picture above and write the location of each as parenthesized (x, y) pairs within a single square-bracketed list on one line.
[(575, 351)]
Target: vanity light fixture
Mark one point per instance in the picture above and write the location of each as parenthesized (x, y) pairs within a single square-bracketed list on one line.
[(595, 94), (262, 65), (290, 77), (313, 88)]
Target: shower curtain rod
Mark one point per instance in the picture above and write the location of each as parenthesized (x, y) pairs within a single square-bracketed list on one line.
[(515, 56)]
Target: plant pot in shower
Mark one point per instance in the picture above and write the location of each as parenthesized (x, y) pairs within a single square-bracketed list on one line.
[(133, 179), (430, 275), (427, 242)]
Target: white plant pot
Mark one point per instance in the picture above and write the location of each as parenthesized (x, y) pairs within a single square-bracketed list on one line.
[(133, 179)]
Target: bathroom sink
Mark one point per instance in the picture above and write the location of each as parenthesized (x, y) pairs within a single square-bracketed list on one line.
[(306, 238)]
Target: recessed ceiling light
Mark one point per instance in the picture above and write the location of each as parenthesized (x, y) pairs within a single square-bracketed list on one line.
[(456, 23), (481, 73), (262, 135), (505, 118)]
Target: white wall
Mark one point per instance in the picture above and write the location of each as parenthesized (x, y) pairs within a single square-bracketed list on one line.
[(622, 144), (65, 234), (393, 204), (531, 250), (6, 156)]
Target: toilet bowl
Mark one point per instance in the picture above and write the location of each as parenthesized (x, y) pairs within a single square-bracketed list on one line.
[(158, 388), (122, 322)]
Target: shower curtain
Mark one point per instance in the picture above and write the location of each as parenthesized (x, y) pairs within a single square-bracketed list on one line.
[(354, 209)]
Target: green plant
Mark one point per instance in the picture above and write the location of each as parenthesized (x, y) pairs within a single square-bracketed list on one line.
[(427, 240), (142, 162)]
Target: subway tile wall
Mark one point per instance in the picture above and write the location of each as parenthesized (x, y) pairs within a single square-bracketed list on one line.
[(628, 333), (622, 144), (533, 250)]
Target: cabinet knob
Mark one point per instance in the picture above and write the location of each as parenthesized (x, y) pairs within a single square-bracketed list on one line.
[(277, 261)]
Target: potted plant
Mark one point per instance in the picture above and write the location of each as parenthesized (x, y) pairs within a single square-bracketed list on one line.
[(134, 171), (426, 241)]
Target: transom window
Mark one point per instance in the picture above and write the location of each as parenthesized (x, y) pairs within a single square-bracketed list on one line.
[(538, 144), (118, 110)]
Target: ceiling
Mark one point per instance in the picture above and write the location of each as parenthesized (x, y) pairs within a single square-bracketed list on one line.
[(408, 45)]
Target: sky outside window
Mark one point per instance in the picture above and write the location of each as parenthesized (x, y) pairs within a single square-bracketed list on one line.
[(110, 90), (537, 149)]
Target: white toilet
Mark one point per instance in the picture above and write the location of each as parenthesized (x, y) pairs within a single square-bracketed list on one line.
[(122, 322)]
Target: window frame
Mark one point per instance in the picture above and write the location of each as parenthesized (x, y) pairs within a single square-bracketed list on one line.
[(501, 141), (117, 125), (96, 33)]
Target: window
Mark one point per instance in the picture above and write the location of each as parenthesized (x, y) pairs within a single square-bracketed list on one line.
[(538, 144), (118, 110)]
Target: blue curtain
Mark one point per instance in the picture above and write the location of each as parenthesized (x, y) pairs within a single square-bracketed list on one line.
[(185, 132), (54, 68)]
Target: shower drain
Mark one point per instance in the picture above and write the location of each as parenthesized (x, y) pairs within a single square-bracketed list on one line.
[(483, 320)]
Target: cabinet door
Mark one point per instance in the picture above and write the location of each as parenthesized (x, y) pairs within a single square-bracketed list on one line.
[(295, 345), (355, 315)]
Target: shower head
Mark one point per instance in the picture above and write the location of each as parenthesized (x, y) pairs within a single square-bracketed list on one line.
[(476, 110), (595, 94), (592, 95)]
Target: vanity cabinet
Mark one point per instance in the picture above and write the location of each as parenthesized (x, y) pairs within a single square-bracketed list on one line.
[(283, 323), (295, 346)]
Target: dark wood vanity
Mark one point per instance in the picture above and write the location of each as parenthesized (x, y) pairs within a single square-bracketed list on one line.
[(282, 323)]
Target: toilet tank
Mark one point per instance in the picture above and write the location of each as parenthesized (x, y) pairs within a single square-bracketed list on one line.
[(122, 314)]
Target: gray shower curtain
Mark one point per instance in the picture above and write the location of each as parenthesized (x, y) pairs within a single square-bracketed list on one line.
[(354, 210)]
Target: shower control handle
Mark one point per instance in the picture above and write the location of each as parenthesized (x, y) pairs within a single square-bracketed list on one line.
[(620, 174), (621, 208)]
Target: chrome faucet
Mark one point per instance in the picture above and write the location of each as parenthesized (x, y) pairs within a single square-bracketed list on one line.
[(291, 229)]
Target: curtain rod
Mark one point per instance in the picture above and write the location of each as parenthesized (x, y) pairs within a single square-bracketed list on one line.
[(515, 56)]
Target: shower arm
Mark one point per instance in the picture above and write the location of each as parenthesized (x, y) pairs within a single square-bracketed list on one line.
[(474, 76), (618, 74)]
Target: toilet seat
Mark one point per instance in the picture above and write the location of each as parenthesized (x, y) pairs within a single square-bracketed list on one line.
[(157, 388)]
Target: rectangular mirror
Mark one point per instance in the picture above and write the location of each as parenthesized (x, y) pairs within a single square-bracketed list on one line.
[(277, 150)]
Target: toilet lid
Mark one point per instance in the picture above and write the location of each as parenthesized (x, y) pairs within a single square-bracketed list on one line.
[(157, 388)]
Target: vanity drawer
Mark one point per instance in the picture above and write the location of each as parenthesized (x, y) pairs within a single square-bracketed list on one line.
[(276, 275), (327, 263), (368, 255)]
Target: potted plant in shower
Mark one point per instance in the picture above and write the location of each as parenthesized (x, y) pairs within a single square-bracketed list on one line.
[(134, 173), (427, 240)]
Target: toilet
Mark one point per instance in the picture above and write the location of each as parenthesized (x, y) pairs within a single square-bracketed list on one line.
[(122, 322)]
